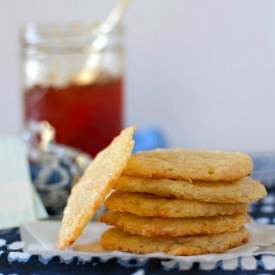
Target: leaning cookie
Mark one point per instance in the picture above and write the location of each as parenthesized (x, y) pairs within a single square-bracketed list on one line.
[(115, 239), (239, 191), (189, 165), (92, 188), (154, 206), (173, 227)]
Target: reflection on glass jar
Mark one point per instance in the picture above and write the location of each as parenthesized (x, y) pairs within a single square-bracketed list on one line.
[(72, 85)]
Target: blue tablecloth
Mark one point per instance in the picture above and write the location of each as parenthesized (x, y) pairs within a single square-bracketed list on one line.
[(14, 261)]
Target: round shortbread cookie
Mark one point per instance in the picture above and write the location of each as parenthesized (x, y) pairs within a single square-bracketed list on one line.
[(189, 165), (115, 239), (92, 188), (239, 191), (173, 227), (154, 206)]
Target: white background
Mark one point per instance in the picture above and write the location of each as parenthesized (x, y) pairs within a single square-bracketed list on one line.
[(203, 71)]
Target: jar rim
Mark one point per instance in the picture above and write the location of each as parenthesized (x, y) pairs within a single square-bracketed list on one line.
[(36, 33)]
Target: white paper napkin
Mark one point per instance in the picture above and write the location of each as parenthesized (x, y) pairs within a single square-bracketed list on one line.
[(19, 200), (40, 238)]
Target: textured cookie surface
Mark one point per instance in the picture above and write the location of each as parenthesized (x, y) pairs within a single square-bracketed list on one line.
[(154, 206), (173, 227), (93, 186), (115, 239), (189, 165), (239, 191)]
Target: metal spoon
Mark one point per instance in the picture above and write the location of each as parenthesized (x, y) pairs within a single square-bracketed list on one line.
[(91, 69)]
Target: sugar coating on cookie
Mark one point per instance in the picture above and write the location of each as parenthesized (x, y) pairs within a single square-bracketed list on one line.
[(189, 165), (155, 206), (115, 239), (239, 191)]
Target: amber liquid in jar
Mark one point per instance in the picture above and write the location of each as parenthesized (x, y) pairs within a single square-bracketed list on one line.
[(86, 117)]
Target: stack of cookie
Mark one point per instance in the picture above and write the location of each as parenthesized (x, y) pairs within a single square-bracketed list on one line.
[(181, 202)]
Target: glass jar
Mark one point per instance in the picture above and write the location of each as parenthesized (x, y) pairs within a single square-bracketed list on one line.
[(73, 82)]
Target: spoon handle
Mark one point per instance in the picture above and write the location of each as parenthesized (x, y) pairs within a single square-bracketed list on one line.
[(116, 14)]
